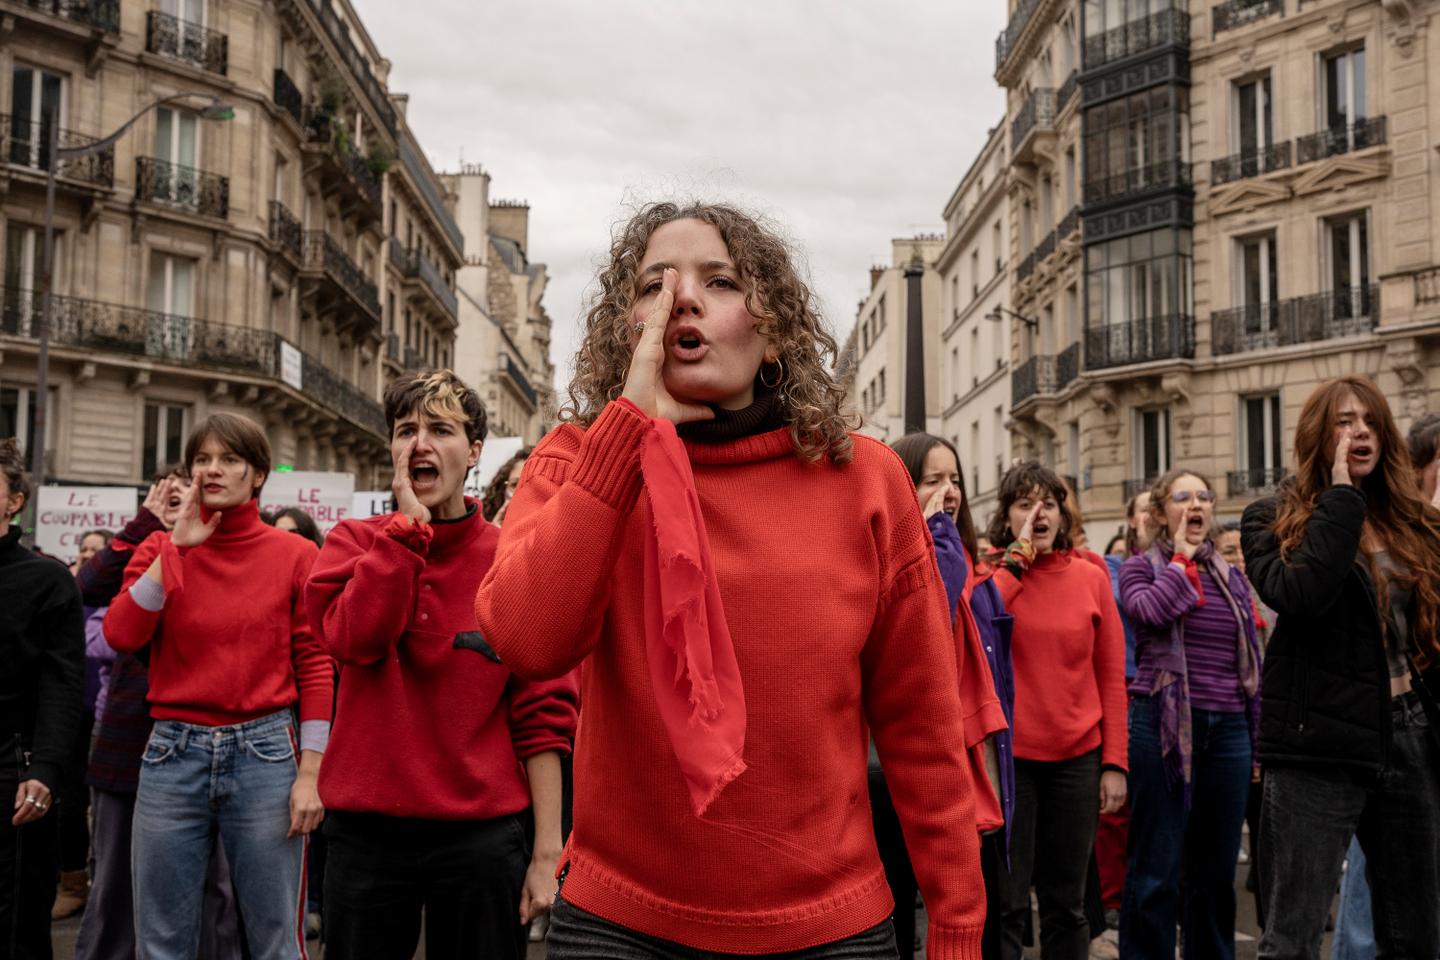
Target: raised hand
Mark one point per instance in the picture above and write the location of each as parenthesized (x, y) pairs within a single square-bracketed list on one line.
[(1027, 529), (405, 500), (1340, 468), (190, 530), (156, 498), (936, 503), (645, 384)]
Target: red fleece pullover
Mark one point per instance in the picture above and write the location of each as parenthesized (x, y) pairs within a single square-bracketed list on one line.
[(427, 723), (233, 644), (1068, 647), (838, 618)]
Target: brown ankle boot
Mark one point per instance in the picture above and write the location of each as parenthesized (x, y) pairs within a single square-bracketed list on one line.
[(74, 891)]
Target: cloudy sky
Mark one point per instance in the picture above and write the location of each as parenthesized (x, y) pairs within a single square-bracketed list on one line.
[(848, 122)]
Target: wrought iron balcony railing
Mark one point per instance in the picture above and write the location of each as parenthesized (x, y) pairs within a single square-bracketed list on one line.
[(359, 66), (1163, 175), (26, 143), (1166, 28), (1254, 481), (1069, 224), (193, 43), (101, 14), (1170, 337), (392, 347), (1368, 132), (134, 331), (323, 252), (1233, 14), (522, 382), (286, 231), (1037, 114), (176, 185), (1250, 163), (322, 127), (1310, 319), (1067, 366), (1026, 267), (334, 391), (1010, 36), (1067, 90), (1045, 247), (414, 265), (1032, 378), (288, 96)]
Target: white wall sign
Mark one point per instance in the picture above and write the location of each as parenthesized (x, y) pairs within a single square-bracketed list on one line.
[(291, 367), (66, 513), (370, 503), (327, 497)]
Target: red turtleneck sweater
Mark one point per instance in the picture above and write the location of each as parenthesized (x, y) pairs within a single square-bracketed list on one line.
[(838, 619), (1068, 647), (427, 724), (233, 644)]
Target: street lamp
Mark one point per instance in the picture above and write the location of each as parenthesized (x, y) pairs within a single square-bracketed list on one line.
[(1000, 313), (217, 110)]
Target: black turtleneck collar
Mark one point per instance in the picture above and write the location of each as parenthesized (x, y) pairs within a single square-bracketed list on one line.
[(762, 416)]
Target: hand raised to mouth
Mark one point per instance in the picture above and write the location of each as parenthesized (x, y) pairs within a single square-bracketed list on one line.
[(645, 383), (405, 499)]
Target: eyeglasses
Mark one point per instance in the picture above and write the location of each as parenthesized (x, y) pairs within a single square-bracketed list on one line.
[(1185, 496)]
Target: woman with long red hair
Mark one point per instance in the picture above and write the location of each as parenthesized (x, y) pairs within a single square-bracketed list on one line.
[(1348, 554)]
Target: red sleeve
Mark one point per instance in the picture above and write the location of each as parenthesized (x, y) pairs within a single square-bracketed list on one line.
[(543, 714), (129, 626), (360, 597), (314, 670), (1110, 678), (983, 715), (1009, 585), (561, 536), (913, 707)]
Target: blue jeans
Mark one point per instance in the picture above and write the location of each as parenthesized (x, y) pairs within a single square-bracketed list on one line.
[(1205, 838), (1354, 927), (197, 782)]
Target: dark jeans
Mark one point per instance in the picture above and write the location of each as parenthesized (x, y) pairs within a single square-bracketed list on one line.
[(576, 934), (382, 872), (1307, 817), (72, 801), (896, 859), (995, 870), (29, 869), (1164, 834), (1057, 808)]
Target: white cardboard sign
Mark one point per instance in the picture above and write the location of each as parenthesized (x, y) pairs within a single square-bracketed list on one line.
[(327, 497), (370, 503), (66, 513)]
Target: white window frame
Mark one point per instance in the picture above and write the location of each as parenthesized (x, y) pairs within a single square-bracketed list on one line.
[(1265, 137), (37, 115), (1271, 411), (1165, 452), (164, 410)]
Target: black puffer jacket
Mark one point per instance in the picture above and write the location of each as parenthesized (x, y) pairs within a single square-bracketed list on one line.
[(1326, 689)]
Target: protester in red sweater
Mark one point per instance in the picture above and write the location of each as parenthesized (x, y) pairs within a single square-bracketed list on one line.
[(218, 600), (750, 600), (1070, 734), (423, 780)]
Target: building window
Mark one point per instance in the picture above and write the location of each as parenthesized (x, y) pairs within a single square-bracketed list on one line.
[(24, 256), (954, 373), (1257, 280), (880, 315), (974, 273), (1072, 453), (177, 142), (164, 437), (17, 417), (1252, 128), (36, 98), (1348, 250), (1138, 278), (975, 356), (192, 11), (1137, 143), (1343, 100), (1261, 440), (996, 240), (171, 296), (1152, 442)]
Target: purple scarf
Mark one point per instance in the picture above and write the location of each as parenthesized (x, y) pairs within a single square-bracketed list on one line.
[(1171, 691)]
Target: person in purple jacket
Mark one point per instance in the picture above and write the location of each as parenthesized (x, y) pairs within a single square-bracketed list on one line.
[(1194, 708)]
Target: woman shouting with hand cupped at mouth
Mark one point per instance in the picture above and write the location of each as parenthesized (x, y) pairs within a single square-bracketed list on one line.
[(754, 593)]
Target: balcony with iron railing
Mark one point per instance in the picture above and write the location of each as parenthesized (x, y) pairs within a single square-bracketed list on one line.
[(1250, 163), (1037, 116), (1166, 28), (340, 395), (1161, 175), (1032, 378), (325, 256), (1067, 90), (1069, 223), (25, 143), (1170, 337), (517, 377), (185, 188), (192, 43), (414, 265), (286, 231), (339, 33), (288, 97), (1067, 366), (102, 15), (1281, 323), (1026, 267), (1343, 138), (342, 164), (1009, 37), (1253, 481), (1233, 14)]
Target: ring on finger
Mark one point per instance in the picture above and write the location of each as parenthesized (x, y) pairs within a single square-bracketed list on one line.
[(639, 327), (33, 800)]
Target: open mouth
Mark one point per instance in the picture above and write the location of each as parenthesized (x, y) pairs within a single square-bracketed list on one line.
[(1195, 522), (1040, 529), (424, 475), (1360, 452), (214, 488), (687, 345)]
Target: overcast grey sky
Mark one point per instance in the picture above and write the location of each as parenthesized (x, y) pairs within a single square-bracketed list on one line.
[(847, 122)]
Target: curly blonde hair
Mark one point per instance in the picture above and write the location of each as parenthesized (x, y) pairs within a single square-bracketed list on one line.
[(810, 399)]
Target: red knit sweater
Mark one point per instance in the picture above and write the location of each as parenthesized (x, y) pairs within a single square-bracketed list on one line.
[(233, 644), (427, 724), (838, 617), (1068, 647)]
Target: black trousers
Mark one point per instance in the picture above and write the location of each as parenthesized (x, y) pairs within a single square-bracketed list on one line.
[(899, 873), (29, 869), (465, 876), (1057, 811)]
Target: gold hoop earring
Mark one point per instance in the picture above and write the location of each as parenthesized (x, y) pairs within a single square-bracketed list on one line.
[(779, 377)]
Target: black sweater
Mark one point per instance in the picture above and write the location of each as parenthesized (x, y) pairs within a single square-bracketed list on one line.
[(1325, 697), (42, 648)]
